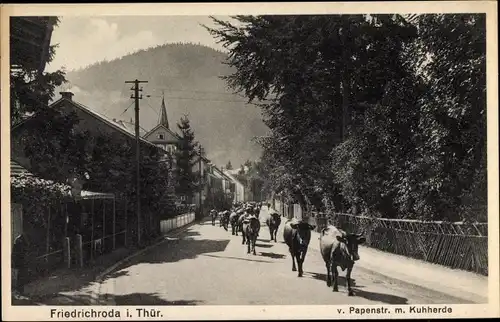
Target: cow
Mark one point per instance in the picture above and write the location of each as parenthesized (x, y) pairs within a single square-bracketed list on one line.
[(224, 219), (241, 218), (256, 211), (297, 235), (251, 228), (213, 214), (233, 219), (273, 222), (339, 248)]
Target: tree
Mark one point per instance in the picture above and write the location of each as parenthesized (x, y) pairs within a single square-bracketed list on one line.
[(451, 155), (187, 181), (380, 113), (315, 74), (229, 166), (31, 91)]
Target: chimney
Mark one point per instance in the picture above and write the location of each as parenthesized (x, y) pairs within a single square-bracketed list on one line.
[(67, 95)]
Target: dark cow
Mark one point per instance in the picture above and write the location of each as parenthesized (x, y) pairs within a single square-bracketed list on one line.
[(339, 249), (297, 235), (213, 214), (251, 228), (233, 219), (241, 218), (256, 211), (273, 222), (224, 219)]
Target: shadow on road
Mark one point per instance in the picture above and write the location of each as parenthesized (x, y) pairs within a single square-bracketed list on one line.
[(239, 258), (380, 297), (272, 255), (70, 280), (174, 250), (263, 245), (322, 277), (377, 297), (148, 299), (190, 233)]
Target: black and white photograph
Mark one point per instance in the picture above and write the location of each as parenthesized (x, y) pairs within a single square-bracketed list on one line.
[(249, 159)]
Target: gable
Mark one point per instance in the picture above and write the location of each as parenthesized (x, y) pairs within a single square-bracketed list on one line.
[(161, 134)]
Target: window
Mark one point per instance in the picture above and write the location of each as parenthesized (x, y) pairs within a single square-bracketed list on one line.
[(161, 136)]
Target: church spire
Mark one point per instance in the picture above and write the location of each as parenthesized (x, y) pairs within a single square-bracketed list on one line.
[(163, 113)]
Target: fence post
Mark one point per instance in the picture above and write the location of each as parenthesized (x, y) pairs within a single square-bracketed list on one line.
[(67, 252), (79, 250), (114, 224), (125, 204)]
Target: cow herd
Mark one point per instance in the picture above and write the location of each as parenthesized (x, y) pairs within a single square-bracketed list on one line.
[(337, 247), (244, 219)]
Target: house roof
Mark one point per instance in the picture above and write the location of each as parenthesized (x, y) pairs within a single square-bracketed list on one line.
[(16, 171), (233, 171), (30, 41), (130, 126), (221, 173), (125, 130), (110, 122), (233, 178)]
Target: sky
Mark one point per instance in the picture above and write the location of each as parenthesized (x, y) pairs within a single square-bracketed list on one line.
[(84, 40)]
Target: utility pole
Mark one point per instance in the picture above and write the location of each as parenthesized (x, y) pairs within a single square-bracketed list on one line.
[(201, 186), (136, 97)]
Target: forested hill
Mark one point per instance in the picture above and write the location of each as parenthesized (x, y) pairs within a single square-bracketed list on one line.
[(189, 75)]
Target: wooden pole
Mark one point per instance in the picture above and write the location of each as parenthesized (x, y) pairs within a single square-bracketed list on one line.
[(65, 219), (47, 245), (104, 223), (114, 224), (126, 227), (92, 231)]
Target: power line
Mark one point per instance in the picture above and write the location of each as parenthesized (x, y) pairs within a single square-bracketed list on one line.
[(126, 109), (195, 91), (202, 99), (152, 108)]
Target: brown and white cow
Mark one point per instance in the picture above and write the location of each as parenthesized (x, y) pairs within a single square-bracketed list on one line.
[(297, 235), (273, 222), (339, 248), (251, 228)]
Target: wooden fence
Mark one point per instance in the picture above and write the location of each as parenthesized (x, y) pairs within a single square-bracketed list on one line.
[(456, 245), (176, 222)]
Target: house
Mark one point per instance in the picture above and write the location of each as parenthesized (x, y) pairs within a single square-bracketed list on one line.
[(89, 120), (201, 167), (239, 190), (100, 127), (227, 184), (161, 135)]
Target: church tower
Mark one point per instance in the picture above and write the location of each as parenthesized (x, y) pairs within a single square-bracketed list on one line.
[(161, 135), (163, 114)]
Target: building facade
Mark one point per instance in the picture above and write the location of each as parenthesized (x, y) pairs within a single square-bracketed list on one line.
[(239, 188), (161, 135)]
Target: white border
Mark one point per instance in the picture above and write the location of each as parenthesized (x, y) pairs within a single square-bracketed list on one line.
[(263, 312)]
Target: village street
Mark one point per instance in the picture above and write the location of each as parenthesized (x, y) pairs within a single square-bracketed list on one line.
[(205, 265)]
